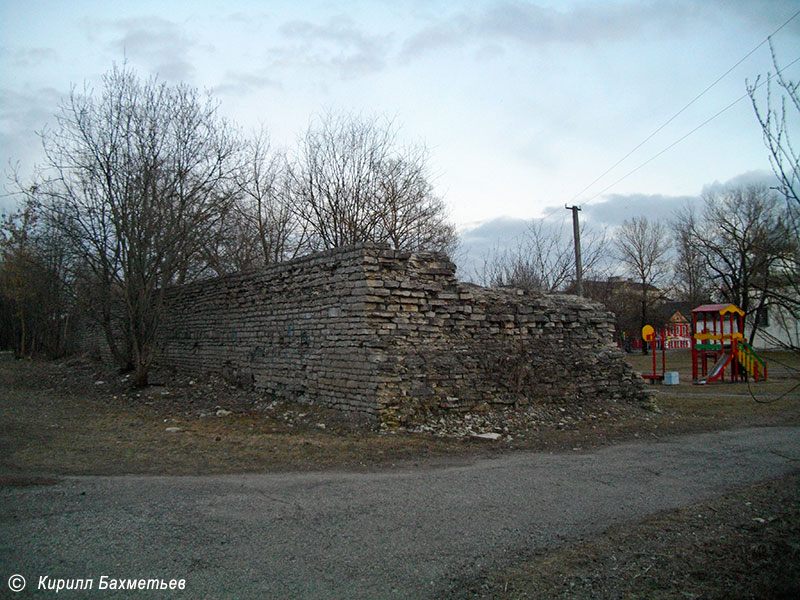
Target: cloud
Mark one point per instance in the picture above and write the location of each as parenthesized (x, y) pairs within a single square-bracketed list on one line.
[(250, 20), (488, 232), (479, 240), (616, 208), (22, 115), (532, 25), (494, 237), (338, 44), (19, 109), (242, 84), (766, 14), (589, 23), (28, 57), (765, 178), (158, 42)]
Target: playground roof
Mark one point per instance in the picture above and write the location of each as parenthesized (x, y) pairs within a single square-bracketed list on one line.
[(719, 308)]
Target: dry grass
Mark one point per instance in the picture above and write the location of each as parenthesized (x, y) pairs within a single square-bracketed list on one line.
[(55, 421), (723, 404), (745, 544), (44, 432)]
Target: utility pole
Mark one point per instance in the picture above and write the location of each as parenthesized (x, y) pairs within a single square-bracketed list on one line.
[(576, 236)]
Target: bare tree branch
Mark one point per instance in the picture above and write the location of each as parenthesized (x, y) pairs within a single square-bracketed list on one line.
[(352, 182), (642, 248)]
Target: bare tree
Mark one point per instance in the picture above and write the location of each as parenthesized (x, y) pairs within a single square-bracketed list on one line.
[(690, 278), (776, 120), (263, 207), (411, 216), (642, 248), (36, 295), (746, 246), (258, 227), (352, 181), (17, 259), (543, 260), (138, 178), (777, 116)]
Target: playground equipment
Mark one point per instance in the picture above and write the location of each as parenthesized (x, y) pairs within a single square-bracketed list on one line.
[(720, 338), (649, 335)]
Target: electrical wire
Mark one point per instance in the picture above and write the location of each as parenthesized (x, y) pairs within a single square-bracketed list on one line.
[(683, 137), (785, 365), (771, 400), (673, 117)]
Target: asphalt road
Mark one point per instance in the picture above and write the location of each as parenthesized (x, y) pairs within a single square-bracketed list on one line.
[(392, 534)]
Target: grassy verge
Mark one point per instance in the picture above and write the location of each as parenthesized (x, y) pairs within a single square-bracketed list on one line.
[(73, 434), (74, 418), (745, 544)]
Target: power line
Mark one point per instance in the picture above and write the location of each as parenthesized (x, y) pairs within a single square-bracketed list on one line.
[(683, 137), (690, 103)]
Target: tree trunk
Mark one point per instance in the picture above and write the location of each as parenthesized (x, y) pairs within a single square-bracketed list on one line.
[(122, 360), (22, 335), (644, 314), (140, 376)]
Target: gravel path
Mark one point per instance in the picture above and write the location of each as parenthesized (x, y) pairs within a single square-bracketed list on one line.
[(388, 534)]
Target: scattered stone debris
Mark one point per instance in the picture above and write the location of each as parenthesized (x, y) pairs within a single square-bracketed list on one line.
[(488, 436), (184, 396), (524, 421)]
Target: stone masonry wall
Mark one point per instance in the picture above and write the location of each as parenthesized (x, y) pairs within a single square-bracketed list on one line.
[(295, 330), (454, 346), (395, 336)]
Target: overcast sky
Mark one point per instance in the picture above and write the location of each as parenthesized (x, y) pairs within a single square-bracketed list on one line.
[(521, 104)]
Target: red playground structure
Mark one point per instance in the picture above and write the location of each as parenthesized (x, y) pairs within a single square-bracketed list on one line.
[(719, 339)]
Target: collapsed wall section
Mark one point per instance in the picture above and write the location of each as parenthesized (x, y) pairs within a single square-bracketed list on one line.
[(446, 345)]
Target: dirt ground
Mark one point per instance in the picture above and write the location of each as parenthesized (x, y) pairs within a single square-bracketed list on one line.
[(78, 418), (745, 544)]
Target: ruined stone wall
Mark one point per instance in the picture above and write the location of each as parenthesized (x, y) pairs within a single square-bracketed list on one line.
[(295, 330), (446, 345), (393, 335)]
